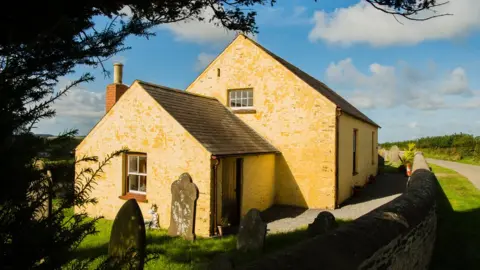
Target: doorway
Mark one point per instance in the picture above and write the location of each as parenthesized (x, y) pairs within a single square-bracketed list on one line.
[(232, 175)]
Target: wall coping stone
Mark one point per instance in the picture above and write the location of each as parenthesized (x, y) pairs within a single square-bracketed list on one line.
[(354, 243)]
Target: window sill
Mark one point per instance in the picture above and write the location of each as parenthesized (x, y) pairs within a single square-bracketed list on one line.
[(244, 111), (137, 197)]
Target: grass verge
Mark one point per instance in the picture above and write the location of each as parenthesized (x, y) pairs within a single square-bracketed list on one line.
[(458, 230), (465, 160), (177, 253)]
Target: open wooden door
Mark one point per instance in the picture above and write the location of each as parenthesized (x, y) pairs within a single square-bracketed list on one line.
[(232, 189)]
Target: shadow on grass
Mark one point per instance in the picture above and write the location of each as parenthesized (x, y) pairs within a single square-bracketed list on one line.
[(177, 253), (458, 232)]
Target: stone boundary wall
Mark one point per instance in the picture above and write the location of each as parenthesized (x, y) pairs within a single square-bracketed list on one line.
[(398, 235)]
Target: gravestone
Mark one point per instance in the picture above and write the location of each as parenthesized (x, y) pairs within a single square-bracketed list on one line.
[(252, 232), (46, 209), (128, 237), (221, 262), (184, 200), (394, 154), (323, 223)]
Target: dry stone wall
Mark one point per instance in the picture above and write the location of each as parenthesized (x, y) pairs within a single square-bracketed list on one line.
[(398, 235)]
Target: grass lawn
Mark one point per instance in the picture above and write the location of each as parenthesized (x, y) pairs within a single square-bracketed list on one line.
[(177, 253), (458, 232)]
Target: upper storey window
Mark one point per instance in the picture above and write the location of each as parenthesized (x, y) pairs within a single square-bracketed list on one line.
[(240, 98)]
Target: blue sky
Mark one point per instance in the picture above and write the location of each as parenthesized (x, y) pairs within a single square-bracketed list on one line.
[(414, 79)]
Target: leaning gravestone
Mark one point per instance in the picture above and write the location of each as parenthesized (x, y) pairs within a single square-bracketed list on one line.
[(394, 154), (323, 223), (184, 199), (252, 232)]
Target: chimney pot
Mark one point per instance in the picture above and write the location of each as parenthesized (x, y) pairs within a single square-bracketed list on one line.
[(117, 73), (116, 89)]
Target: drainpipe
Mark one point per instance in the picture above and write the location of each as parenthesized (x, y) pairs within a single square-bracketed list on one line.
[(216, 162), (337, 135)]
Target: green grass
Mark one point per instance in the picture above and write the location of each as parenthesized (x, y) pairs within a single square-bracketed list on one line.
[(466, 160), (177, 253), (458, 231)]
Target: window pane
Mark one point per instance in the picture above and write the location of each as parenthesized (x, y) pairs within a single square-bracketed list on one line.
[(132, 164), (133, 182), (244, 102), (250, 102), (143, 184), (142, 164)]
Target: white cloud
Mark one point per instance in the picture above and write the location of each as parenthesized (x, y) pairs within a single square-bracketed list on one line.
[(391, 86), (457, 83), (370, 91), (361, 23), (127, 11), (471, 104), (203, 60), (79, 109), (201, 32)]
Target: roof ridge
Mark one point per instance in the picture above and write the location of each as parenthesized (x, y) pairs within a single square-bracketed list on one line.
[(162, 87), (291, 66)]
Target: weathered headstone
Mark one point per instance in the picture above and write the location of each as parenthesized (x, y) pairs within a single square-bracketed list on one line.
[(40, 194), (184, 200), (128, 237), (221, 262), (252, 232), (386, 155), (394, 154), (323, 223)]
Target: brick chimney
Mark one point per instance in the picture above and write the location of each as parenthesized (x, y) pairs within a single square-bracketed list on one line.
[(116, 89)]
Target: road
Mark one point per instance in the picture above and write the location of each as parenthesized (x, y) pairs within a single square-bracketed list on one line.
[(471, 172), (386, 188)]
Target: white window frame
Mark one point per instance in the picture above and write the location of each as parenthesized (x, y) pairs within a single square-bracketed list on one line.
[(247, 97), (136, 173)]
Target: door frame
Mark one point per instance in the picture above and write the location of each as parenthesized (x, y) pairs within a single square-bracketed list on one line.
[(239, 186)]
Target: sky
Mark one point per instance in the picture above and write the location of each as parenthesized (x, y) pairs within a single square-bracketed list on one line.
[(413, 78)]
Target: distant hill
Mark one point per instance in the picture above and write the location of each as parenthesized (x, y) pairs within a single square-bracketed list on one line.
[(44, 135)]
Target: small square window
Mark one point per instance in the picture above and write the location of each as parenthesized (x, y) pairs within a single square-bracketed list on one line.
[(136, 179), (241, 98)]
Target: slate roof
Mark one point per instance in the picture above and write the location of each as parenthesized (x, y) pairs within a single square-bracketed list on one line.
[(211, 123), (323, 89)]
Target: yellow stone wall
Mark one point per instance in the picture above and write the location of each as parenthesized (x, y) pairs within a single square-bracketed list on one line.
[(366, 163), (258, 186), (141, 124), (258, 190), (295, 118)]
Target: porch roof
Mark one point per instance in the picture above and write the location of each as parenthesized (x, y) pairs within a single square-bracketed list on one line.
[(219, 130)]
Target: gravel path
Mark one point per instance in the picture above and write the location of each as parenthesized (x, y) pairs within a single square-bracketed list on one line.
[(471, 172), (386, 188)]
